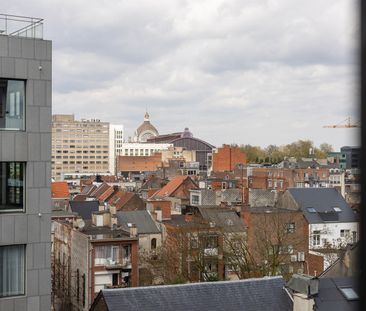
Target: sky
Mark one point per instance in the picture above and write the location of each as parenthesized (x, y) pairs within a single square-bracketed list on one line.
[(246, 72)]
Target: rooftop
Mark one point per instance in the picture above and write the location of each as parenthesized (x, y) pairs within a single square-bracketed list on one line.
[(251, 294)]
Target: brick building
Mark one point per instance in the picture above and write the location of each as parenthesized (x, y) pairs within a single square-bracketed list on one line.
[(227, 158), (91, 255), (138, 164)]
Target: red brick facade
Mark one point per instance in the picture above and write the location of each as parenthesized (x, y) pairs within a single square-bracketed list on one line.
[(227, 157)]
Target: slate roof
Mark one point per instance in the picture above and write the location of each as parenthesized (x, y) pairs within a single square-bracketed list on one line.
[(323, 200), (60, 190), (84, 208), (142, 219), (261, 197), (331, 298), (265, 294), (224, 217)]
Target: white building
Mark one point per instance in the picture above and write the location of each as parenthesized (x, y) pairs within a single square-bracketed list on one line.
[(115, 145), (142, 149), (332, 223)]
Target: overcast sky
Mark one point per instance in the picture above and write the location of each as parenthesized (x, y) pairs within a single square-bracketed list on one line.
[(247, 71)]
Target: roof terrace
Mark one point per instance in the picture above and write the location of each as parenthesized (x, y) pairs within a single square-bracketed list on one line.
[(21, 26)]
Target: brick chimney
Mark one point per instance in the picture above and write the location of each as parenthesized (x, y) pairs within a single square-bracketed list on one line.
[(188, 217)]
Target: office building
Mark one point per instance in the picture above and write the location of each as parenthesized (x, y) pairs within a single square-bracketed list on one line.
[(80, 147), (115, 145)]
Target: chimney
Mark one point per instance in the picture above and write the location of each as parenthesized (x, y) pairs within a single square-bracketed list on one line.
[(159, 214), (188, 217), (114, 221), (133, 230), (304, 288), (112, 209)]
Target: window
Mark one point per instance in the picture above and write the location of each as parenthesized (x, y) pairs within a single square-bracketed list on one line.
[(11, 185), (106, 254), (12, 104), (316, 238), (337, 209), (12, 270), (290, 227), (194, 241), (344, 233), (311, 210), (153, 243), (211, 242), (195, 199), (354, 236)]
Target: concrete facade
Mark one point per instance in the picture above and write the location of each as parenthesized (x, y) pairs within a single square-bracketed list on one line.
[(79, 146), (30, 60), (115, 145)]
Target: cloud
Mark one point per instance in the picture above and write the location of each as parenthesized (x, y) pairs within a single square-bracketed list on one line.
[(261, 72)]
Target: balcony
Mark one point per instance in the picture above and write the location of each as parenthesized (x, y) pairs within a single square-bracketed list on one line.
[(110, 263)]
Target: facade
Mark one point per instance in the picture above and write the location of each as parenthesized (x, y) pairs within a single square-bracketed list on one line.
[(138, 164), (201, 243), (352, 156), (79, 146), (227, 158), (90, 256), (115, 145), (141, 149), (25, 171)]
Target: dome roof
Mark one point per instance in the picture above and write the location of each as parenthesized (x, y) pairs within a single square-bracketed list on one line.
[(146, 128)]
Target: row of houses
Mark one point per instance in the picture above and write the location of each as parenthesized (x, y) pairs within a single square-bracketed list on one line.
[(178, 231)]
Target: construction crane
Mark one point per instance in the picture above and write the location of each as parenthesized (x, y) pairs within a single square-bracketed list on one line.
[(345, 124)]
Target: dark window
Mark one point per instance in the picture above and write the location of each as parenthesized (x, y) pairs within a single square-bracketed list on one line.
[(153, 243), (115, 279), (12, 103), (11, 185), (290, 227)]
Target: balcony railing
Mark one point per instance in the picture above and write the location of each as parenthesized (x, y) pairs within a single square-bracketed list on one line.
[(109, 263), (21, 26)]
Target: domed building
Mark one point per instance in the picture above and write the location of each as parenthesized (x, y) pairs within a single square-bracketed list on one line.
[(146, 130)]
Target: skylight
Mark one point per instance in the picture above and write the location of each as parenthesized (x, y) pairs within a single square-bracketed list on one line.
[(349, 293), (337, 209), (311, 209)]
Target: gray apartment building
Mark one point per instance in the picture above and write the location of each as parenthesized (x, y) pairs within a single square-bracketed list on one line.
[(25, 165)]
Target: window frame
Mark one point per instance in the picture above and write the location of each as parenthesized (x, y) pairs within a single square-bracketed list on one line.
[(24, 292), (24, 128), (23, 209)]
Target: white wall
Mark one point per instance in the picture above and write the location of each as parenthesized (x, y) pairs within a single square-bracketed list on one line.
[(115, 145), (142, 149), (332, 233)]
